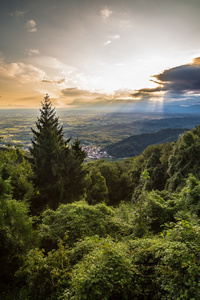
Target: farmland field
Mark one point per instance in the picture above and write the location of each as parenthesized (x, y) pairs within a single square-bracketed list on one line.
[(98, 128)]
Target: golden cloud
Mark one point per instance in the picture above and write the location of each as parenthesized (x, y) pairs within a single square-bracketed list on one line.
[(20, 72)]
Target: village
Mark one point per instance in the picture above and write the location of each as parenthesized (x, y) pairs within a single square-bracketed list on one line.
[(94, 152)]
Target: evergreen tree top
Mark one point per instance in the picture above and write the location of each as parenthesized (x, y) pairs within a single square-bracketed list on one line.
[(48, 130), (47, 111)]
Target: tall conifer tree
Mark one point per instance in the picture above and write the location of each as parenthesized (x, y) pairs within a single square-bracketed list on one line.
[(58, 168), (48, 152)]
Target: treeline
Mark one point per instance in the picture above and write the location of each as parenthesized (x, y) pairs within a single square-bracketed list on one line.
[(101, 230)]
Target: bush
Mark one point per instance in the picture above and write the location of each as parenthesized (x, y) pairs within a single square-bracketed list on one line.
[(45, 276), (106, 272), (15, 165), (79, 220), (179, 264), (191, 194), (17, 237)]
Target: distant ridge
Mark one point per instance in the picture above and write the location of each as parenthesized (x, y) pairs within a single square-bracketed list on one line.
[(134, 145)]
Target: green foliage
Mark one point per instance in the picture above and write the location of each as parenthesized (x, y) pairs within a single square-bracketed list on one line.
[(184, 159), (170, 266), (45, 276), (105, 272), (162, 267), (110, 173), (96, 188), (157, 164), (16, 234), (108, 181), (79, 220), (153, 268), (180, 262), (14, 165), (74, 173), (154, 159), (6, 189), (191, 193), (147, 248), (153, 210)]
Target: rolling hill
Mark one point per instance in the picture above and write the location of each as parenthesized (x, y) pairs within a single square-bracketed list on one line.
[(134, 145)]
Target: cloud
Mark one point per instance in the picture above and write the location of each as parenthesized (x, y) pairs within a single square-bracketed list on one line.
[(181, 82), (125, 24), (83, 99), (62, 80), (107, 43), (83, 96), (106, 13), (196, 61), (111, 38), (123, 94), (25, 100), (20, 72), (48, 62), (17, 13), (120, 64), (31, 52), (31, 26), (181, 79), (147, 93), (115, 37), (80, 97)]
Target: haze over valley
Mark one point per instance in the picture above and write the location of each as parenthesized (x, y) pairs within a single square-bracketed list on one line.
[(99, 129)]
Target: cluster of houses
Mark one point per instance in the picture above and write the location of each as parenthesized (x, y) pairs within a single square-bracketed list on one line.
[(94, 152)]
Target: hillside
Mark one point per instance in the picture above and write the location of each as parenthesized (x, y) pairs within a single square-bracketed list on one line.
[(135, 144)]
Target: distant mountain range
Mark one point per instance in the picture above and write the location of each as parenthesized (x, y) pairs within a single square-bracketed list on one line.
[(134, 145), (156, 124)]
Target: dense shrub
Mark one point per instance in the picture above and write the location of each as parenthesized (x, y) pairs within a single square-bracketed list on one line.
[(45, 276), (78, 220), (155, 208), (15, 165), (16, 235), (106, 272), (184, 159)]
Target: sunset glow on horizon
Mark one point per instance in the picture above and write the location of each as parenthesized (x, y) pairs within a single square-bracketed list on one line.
[(89, 52)]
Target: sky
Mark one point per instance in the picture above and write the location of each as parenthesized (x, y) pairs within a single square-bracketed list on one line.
[(94, 53)]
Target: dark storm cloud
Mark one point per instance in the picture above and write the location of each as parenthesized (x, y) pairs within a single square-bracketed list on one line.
[(179, 81), (185, 78), (145, 93)]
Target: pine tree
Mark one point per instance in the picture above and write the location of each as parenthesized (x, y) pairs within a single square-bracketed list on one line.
[(58, 167), (48, 152)]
